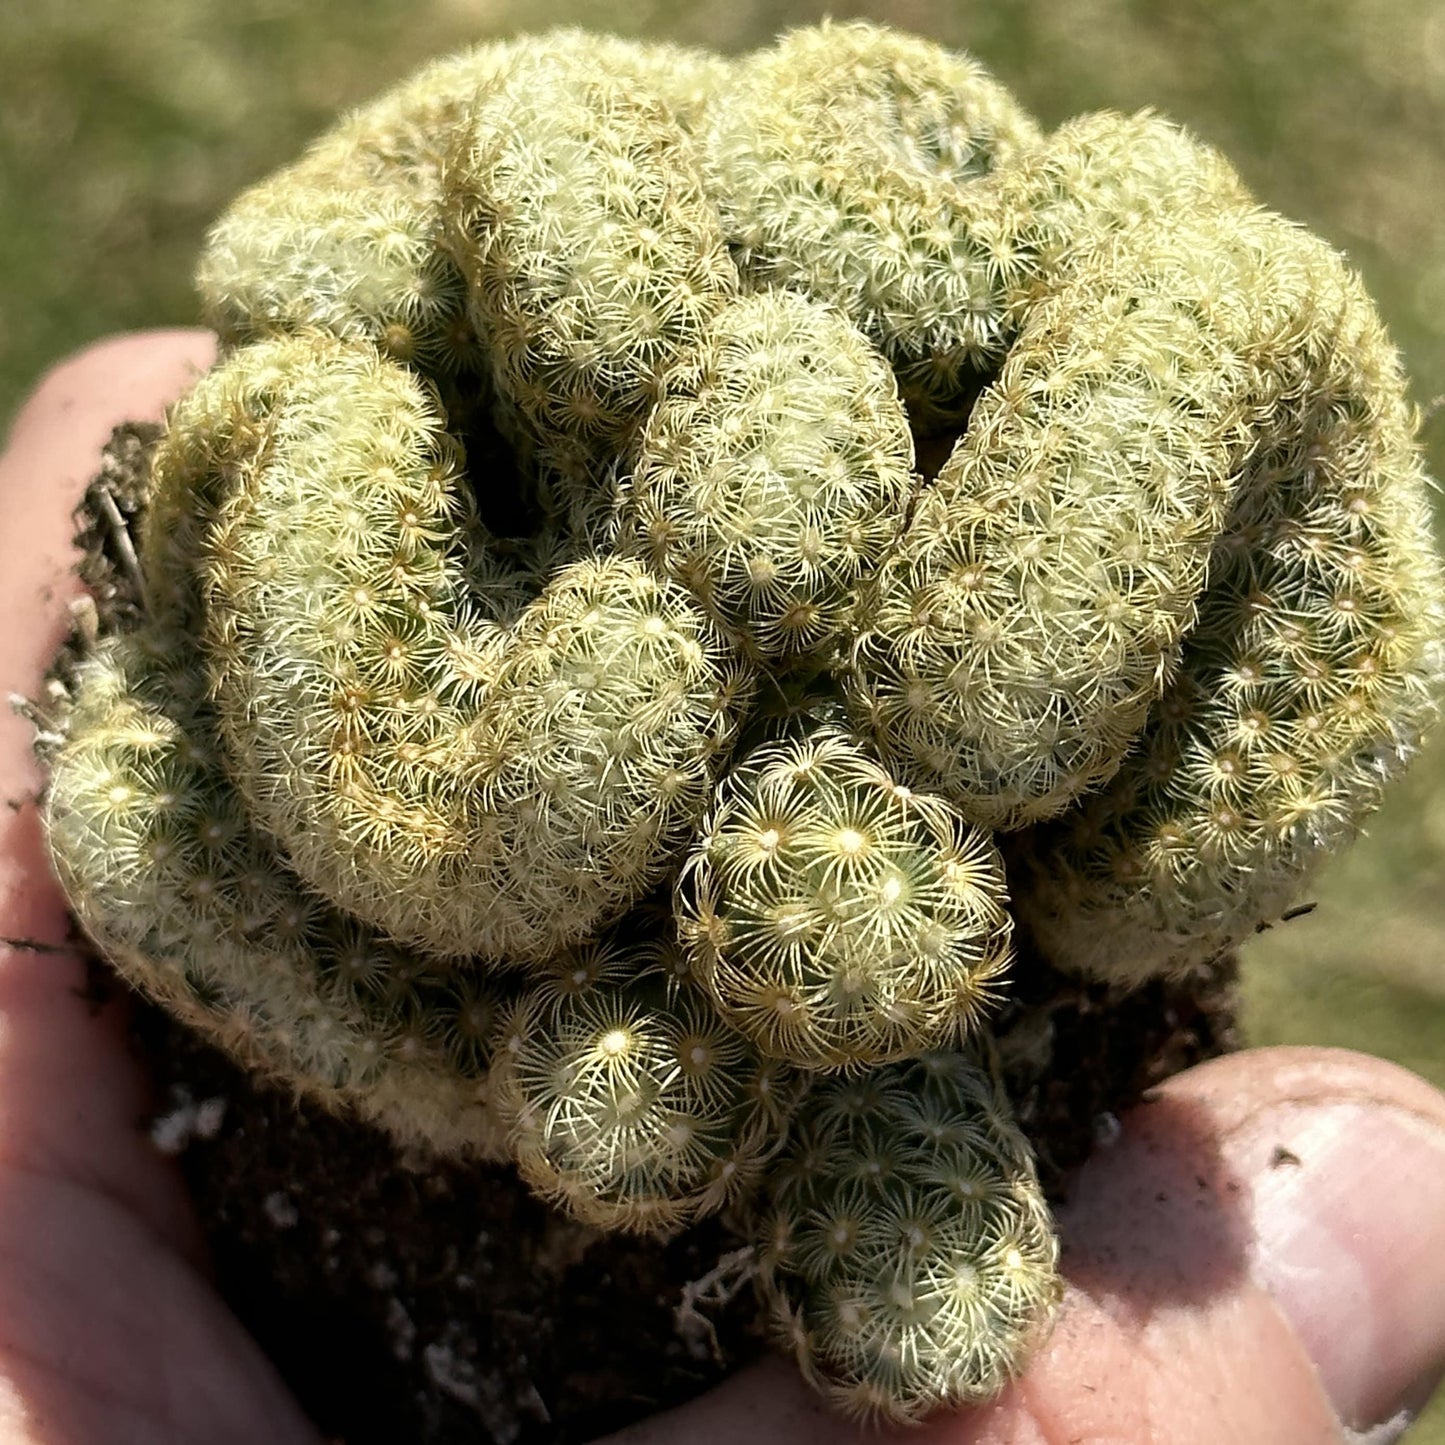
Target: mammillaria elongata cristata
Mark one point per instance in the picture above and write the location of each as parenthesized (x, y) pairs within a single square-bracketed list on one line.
[(566, 724)]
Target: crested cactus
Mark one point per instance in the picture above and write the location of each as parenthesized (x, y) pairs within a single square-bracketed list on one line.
[(626, 1097), (904, 1214), (837, 918), (562, 725), (772, 475)]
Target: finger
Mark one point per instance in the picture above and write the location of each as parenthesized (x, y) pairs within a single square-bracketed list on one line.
[(69, 1098), (1258, 1260)]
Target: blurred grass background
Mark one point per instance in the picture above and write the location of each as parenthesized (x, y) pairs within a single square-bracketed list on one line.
[(124, 130)]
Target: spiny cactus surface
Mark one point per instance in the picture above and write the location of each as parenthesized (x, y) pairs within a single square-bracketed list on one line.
[(563, 724), (594, 258), (629, 1100), (1310, 671), (1010, 650), (905, 1213), (838, 918), (774, 472), (472, 773), (841, 159), (172, 880)]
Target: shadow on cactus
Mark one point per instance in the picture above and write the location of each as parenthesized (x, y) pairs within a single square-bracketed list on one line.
[(567, 421)]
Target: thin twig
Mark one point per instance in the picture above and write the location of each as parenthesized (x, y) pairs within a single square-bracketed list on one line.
[(120, 531)]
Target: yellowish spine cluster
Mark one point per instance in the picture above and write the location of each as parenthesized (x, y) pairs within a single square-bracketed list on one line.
[(837, 918), (773, 474), (907, 1253), (627, 1099)]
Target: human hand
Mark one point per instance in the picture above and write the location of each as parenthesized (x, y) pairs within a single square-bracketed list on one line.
[(109, 1333), (1260, 1255)]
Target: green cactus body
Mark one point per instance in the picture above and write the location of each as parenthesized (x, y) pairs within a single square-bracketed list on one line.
[(1097, 177), (774, 472), (468, 773), (555, 456), (792, 703), (907, 1255), (165, 872), (840, 159), (836, 918), (1307, 678), (1012, 644), (385, 279), (594, 258), (348, 238), (352, 237), (628, 1101)]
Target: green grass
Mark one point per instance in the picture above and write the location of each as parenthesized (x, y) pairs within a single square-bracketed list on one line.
[(1366, 969), (124, 130)]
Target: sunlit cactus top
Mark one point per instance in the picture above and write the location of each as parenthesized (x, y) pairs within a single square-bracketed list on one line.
[(682, 566)]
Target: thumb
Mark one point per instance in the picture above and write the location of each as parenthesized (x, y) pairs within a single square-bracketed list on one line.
[(1259, 1259)]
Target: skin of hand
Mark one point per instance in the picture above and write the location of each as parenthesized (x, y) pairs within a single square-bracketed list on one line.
[(1258, 1257)]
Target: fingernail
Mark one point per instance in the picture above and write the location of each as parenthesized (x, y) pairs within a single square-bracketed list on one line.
[(1349, 1218)]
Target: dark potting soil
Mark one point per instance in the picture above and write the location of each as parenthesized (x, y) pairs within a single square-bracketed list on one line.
[(406, 1298)]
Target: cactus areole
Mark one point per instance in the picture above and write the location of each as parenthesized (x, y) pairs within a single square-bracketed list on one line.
[(566, 726)]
